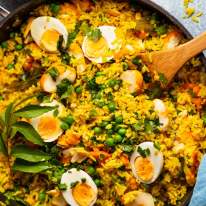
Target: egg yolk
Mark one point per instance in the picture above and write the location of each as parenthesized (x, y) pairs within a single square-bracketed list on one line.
[(144, 168), (50, 39), (83, 194), (48, 126), (95, 49)]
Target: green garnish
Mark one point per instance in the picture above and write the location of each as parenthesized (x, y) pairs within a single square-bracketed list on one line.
[(157, 145), (143, 152), (163, 79), (54, 73), (73, 184), (94, 34), (54, 8), (62, 186)]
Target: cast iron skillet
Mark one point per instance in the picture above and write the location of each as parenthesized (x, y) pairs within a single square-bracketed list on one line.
[(14, 11)]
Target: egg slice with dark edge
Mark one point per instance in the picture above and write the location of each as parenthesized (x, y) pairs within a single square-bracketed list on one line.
[(102, 50), (48, 125), (147, 169), (46, 30), (50, 85), (142, 199), (81, 189)]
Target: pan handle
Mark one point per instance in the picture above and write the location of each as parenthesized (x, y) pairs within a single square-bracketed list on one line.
[(7, 6), (3, 12)]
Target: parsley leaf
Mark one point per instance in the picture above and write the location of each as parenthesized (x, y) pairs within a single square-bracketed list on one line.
[(163, 79), (143, 152), (94, 34)]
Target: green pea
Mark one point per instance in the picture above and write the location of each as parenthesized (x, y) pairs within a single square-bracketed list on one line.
[(111, 106), (98, 182), (4, 45), (19, 47), (78, 90), (122, 131), (69, 119), (118, 138), (119, 119), (91, 170), (97, 130), (110, 142), (10, 66), (42, 196), (64, 126), (103, 124)]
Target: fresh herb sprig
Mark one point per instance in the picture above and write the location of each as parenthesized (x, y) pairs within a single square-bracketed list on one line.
[(12, 126)]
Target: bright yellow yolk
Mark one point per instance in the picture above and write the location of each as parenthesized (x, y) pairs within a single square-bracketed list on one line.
[(50, 39), (83, 194), (48, 126), (144, 168), (95, 49)]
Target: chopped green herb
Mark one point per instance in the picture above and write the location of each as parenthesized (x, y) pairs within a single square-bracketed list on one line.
[(143, 152), (53, 72), (19, 47), (163, 79), (42, 196), (54, 8), (73, 184), (4, 45), (10, 66), (78, 90), (136, 61), (83, 180), (62, 186), (94, 34), (161, 30), (157, 145)]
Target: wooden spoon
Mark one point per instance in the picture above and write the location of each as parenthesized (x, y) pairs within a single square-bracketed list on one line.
[(168, 62)]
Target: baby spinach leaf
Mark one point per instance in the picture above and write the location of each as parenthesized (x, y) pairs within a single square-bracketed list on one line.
[(2, 146), (29, 154), (29, 132), (32, 111), (24, 166)]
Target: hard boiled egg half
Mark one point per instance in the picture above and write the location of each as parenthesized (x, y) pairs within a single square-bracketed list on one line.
[(160, 108), (81, 189), (48, 124), (50, 85), (142, 199), (46, 30), (133, 79), (102, 50), (146, 169)]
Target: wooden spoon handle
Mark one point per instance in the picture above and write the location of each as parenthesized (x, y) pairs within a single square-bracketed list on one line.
[(193, 47)]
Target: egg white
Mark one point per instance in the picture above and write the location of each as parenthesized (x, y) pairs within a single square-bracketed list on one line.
[(35, 121), (108, 33), (143, 199), (156, 157), (41, 24), (74, 175), (160, 108)]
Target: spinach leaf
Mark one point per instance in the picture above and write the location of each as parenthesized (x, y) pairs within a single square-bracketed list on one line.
[(29, 132), (24, 166), (29, 154), (2, 146), (32, 111)]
